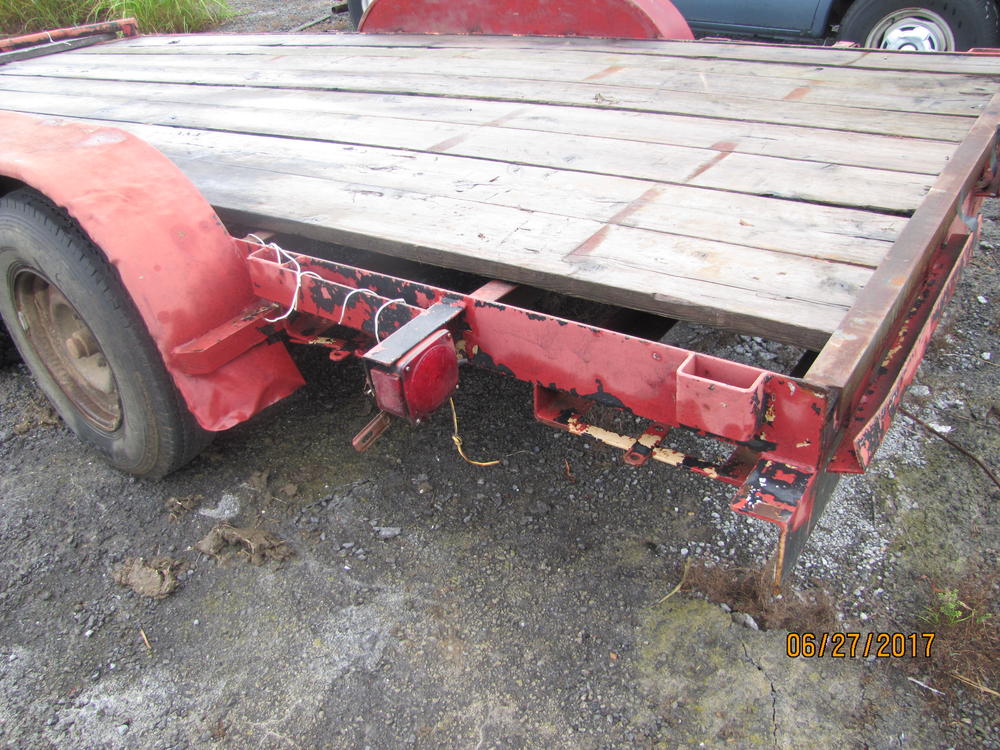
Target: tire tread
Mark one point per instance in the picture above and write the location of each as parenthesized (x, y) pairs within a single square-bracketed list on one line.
[(178, 436)]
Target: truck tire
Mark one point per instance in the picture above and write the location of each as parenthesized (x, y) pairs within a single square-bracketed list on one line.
[(80, 334), (922, 25)]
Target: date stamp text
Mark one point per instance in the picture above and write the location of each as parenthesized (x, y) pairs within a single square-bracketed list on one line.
[(864, 645)]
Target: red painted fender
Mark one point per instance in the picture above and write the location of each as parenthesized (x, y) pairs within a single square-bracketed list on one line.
[(174, 256), (623, 19)]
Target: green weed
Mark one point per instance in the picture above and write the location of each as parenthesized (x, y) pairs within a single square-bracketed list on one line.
[(166, 15), (25, 16), (950, 610), (962, 612)]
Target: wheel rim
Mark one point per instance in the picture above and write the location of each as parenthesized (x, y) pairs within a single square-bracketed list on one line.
[(913, 29), (68, 349)]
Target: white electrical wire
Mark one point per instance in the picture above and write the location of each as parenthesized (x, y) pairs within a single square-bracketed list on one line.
[(282, 256), (350, 294), (378, 338)]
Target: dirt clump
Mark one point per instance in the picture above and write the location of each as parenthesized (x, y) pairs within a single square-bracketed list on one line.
[(155, 578), (260, 545), (179, 506)]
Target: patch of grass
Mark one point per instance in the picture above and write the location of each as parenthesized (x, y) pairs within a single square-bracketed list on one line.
[(967, 646), (167, 15), (949, 610), (26, 16)]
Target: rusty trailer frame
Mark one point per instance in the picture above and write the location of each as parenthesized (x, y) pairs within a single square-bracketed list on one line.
[(789, 437)]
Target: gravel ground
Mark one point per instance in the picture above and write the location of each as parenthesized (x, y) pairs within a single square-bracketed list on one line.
[(434, 604), (256, 15)]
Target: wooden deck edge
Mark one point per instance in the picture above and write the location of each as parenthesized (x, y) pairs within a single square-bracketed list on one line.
[(853, 348), (778, 330)]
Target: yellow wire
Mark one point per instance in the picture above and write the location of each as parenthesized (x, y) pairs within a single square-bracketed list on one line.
[(457, 440)]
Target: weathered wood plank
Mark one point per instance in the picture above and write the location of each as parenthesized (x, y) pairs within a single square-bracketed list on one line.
[(594, 94), (817, 231), (948, 63), (516, 247), (942, 94), (859, 343), (768, 82), (825, 232), (52, 48), (530, 246), (786, 141), (701, 181), (718, 167)]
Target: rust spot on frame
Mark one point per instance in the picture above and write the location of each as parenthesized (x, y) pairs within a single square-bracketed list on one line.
[(594, 241), (724, 148)]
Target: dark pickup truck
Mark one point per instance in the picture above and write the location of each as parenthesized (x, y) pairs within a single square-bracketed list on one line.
[(920, 25)]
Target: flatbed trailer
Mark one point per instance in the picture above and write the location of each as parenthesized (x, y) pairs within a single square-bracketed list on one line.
[(432, 193)]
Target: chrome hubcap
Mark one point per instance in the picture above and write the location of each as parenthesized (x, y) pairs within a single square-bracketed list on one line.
[(912, 29)]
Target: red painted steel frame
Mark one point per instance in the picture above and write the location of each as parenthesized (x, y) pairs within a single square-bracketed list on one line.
[(623, 19), (779, 427), (776, 415), (174, 257), (783, 430), (878, 403)]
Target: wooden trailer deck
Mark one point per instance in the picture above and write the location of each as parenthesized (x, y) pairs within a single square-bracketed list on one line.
[(748, 186)]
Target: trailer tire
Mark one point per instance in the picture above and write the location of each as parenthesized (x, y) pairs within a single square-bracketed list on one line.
[(78, 331), (924, 25), (8, 353)]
